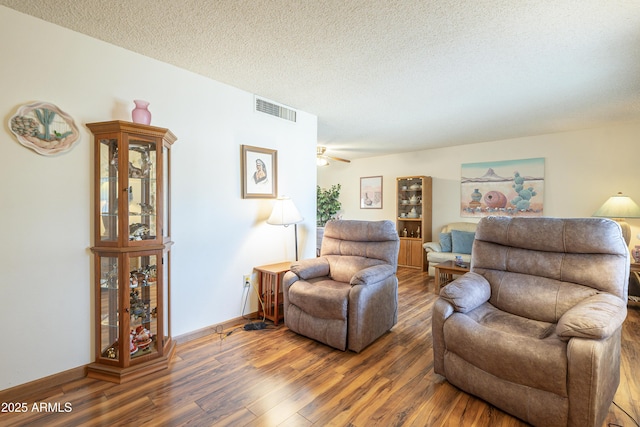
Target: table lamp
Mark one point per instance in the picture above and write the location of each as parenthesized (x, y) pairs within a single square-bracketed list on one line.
[(618, 208), (285, 213)]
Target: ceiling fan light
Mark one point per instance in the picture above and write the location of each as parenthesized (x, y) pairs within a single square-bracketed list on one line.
[(321, 161)]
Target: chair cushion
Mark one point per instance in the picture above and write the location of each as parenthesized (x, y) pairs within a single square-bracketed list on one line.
[(531, 296), (445, 242), (502, 344), (372, 275), (467, 292), (342, 268), (597, 317), (462, 241), (491, 317), (310, 268), (322, 297)]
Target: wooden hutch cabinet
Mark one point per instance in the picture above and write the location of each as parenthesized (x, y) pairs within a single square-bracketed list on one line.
[(131, 250), (413, 219)]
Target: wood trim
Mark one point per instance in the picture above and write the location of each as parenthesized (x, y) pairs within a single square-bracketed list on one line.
[(211, 330), (51, 382), (120, 375), (140, 129), (56, 380)]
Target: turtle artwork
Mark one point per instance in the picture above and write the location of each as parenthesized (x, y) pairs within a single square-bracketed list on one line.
[(44, 128)]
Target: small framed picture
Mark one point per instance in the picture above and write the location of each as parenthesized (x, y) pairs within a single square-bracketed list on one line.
[(259, 170), (371, 192)]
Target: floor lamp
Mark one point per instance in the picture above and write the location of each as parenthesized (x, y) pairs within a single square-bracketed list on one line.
[(285, 213)]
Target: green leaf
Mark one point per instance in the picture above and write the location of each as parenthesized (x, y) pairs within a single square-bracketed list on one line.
[(328, 204)]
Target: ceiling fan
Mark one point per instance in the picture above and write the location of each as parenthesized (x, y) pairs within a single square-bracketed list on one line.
[(323, 160)]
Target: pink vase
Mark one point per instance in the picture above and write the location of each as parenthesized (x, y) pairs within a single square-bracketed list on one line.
[(141, 114)]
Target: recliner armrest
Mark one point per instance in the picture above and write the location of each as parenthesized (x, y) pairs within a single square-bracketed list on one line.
[(373, 274), (596, 317), (311, 267), (432, 247), (467, 292)]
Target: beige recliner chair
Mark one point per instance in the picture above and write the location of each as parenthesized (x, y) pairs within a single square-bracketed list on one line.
[(534, 328), (347, 297)]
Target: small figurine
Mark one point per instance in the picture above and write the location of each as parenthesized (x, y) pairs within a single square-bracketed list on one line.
[(141, 337), (134, 172), (137, 231), (146, 208), (132, 347)]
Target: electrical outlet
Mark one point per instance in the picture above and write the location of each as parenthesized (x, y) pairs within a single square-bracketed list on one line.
[(246, 280)]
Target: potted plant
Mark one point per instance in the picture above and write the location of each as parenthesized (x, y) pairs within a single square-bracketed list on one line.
[(328, 206)]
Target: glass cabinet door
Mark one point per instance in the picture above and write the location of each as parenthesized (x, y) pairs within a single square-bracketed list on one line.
[(108, 329), (142, 189), (143, 304), (108, 190)]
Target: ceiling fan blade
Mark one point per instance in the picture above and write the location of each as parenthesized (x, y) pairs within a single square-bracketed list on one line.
[(320, 150), (338, 159)]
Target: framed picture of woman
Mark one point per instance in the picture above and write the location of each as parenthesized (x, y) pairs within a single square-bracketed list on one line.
[(259, 170)]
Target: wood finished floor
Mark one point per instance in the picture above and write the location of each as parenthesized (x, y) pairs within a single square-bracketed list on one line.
[(274, 377)]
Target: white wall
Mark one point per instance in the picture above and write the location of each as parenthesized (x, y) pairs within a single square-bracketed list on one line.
[(46, 306), (582, 169)]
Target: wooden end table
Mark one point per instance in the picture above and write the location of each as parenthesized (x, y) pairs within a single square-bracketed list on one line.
[(270, 290), (445, 271), (635, 267)]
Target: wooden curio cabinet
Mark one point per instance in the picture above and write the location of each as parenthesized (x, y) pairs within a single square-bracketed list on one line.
[(413, 219), (132, 242)]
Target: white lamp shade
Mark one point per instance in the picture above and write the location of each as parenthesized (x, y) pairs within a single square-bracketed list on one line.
[(618, 206), (284, 212)]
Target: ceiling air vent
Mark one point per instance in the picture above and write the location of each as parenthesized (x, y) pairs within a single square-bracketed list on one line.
[(276, 110)]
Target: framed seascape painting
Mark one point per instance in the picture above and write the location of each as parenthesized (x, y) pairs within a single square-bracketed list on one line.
[(259, 170), (504, 188), (371, 192)]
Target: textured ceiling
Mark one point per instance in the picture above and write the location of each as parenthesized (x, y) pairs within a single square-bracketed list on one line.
[(389, 76)]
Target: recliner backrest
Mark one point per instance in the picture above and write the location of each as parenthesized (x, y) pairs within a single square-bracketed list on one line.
[(343, 267), (374, 240), (540, 267)]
